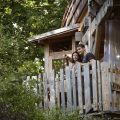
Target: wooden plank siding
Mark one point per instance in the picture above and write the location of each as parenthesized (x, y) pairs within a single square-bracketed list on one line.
[(103, 12), (74, 12), (67, 12), (82, 5)]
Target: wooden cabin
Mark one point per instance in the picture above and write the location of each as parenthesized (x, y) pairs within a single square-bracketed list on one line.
[(96, 23)]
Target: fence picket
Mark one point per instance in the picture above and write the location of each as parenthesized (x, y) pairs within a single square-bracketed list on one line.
[(94, 85), (57, 91), (62, 90), (79, 80), (87, 88), (99, 85), (106, 94), (52, 89), (74, 89), (40, 89), (46, 102), (69, 89)]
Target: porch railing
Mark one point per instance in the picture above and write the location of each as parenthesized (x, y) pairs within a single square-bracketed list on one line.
[(88, 87)]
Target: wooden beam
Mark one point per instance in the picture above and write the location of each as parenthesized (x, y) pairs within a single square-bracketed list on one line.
[(73, 44), (99, 17), (73, 17), (100, 2), (72, 12), (99, 37), (79, 11), (67, 12), (46, 55), (115, 86), (59, 55), (54, 33), (93, 8)]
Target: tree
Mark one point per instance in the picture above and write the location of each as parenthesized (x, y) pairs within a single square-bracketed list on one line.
[(20, 19)]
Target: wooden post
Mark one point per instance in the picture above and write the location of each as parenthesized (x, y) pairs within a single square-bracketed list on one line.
[(73, 44)]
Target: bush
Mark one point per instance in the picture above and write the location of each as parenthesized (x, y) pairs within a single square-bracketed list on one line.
[(17, 102)]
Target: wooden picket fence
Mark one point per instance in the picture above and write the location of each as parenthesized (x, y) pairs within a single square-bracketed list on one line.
[(89, 88)]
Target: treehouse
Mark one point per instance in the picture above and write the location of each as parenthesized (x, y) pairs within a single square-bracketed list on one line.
[(95, 87)]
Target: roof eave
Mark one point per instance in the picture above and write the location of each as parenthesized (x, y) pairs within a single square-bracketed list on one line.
[(55, 33)]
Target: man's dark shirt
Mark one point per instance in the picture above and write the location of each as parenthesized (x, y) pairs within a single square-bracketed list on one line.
[(88, 57)]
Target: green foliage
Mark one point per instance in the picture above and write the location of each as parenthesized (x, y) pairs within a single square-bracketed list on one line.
[(20, 19), (31, 16), (57, 65), (17, 102), (59, 115)]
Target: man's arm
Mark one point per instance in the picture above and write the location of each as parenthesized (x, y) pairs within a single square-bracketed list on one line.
[(90, 57), (68, 58)]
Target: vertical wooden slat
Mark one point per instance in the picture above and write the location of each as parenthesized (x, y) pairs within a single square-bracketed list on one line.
[(46, 56), (99, 85), (87, 88), (72, 11), (80, 100), (73, 44), (118, 81), (106, 89), (114, 95), (62, 90), (40, 89), (45, 91), (57, 91), (52, 90), (109, 85), (74, 89), (94, 85), (69, 89)]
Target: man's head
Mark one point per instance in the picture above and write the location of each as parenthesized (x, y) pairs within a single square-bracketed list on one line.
[(81, 49)]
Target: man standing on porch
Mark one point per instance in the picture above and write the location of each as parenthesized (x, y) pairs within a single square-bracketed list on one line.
[(87, 56)]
